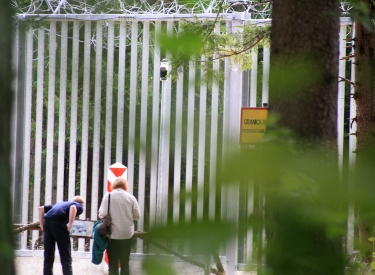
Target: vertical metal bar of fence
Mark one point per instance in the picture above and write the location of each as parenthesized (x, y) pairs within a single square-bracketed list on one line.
[(235, 92), (155, 126), (120, 93), (225, 148), (178, 150), (143, 129), (246, 88), (27, 132), (160, 186), (341, 96), (85, 112), (13, 121), (17, 126), (164, 146), (38, 126), (50, 113), (132, 103), (97, 116), (39, 131), (109, 103), (96, 126), (233, 188), (190, 143), (214, 139), (266, 74), (189, 149), (249, 231), (249, 189), (178, 146), (62, 113), (74, 111), (254, 77), (201, 148), (261, 231), (168, 99), (352, 155), (85, 121)]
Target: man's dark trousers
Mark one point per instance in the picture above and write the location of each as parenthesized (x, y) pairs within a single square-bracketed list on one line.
[(56, 232)]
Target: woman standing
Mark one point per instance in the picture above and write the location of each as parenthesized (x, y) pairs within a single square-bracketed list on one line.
[(124, 210)]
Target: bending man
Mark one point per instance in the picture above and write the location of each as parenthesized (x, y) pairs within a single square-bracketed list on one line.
[(56, 222)]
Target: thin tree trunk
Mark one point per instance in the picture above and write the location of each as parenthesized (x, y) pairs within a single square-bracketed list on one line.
[(364, 52), (6, 236)]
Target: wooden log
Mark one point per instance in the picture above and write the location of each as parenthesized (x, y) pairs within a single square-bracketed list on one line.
[(140, 234), (219, 265), (31, 226)]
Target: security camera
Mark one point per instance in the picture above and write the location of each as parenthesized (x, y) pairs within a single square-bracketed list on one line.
[(163, 69)]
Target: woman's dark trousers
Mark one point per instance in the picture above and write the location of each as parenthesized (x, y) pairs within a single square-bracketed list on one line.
[(119, 250)]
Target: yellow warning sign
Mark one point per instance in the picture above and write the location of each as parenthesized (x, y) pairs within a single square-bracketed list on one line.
[(253, 124)]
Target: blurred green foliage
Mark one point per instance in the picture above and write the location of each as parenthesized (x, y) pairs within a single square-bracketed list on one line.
[(362, 14), (152, 266)]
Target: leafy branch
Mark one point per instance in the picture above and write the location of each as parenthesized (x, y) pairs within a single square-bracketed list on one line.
[(198, 45)]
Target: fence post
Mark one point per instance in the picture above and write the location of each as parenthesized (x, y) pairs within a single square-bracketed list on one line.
[(234, 96)]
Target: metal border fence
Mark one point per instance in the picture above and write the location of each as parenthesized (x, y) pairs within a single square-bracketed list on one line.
[(88, 94)]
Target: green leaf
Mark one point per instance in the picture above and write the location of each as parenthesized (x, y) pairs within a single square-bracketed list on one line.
[(185, 45), (157, 267), (361, 13), (371, 239), (362, 7)]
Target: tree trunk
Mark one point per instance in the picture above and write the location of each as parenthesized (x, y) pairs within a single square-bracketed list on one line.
[(6, 228), (304, 67), (364, 52), (303, 93)]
